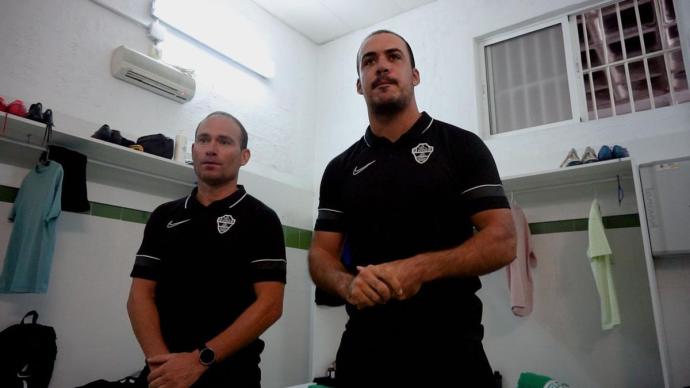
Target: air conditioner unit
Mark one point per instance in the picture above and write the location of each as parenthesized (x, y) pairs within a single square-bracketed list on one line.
[(153, 75)]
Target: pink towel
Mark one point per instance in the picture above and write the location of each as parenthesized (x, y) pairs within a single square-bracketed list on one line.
[(519, 272)]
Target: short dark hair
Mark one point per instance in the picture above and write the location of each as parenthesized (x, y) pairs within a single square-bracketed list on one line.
[(244, 136), (409, 49)]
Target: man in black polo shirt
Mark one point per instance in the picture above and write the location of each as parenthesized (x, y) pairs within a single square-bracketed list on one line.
[(408, 196), (210, 273)]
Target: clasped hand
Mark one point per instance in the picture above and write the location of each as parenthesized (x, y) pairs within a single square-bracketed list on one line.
[(175, 370), (378, 284)]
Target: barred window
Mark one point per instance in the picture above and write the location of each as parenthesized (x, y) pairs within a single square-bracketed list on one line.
[(631, 58), (619, 58)]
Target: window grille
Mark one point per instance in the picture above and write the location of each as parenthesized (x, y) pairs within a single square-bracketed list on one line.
[(630, 57)]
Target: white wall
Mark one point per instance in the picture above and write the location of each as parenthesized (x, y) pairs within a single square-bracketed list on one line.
[(59, 53), (443, 36)]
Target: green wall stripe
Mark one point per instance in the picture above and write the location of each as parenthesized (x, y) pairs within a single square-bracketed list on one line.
[(294, 237), (105, 210), (580, 224), (291, 236), (301, 238)]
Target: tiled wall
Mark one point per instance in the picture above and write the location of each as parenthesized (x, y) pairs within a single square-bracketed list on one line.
[(294, 237)]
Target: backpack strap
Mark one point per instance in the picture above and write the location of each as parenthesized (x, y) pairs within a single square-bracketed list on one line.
[(32, 313)]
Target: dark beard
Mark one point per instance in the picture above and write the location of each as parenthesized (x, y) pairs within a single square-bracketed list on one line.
[(389, 108)]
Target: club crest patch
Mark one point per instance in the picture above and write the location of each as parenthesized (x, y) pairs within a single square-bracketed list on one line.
[(225, 223), (422, 152)]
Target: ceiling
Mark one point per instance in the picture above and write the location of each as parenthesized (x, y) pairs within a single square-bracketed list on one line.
[(324, 20)]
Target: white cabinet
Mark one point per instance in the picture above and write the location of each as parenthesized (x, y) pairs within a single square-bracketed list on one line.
[(666, 191)]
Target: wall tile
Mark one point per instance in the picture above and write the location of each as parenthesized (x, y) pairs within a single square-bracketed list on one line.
[(291, 236), (107, 211), (304, 239), (133, 215)]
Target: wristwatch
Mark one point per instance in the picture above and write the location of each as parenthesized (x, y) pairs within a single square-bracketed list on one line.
[(207, 356)]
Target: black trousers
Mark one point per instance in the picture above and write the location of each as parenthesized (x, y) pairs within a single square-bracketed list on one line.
[(224, 375), (412, 360)]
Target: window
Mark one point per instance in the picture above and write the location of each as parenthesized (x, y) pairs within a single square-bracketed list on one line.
[(625, 57), (528, 80)]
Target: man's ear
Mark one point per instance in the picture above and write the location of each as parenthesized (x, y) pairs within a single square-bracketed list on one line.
[(245, 155), (415, 77), (359, 87)]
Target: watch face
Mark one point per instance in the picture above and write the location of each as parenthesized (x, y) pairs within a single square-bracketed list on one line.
[(207, 356)]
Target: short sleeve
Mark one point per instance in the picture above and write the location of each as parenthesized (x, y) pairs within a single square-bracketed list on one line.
[(268, 261), (331, 212), (149, 257), (480, 185)]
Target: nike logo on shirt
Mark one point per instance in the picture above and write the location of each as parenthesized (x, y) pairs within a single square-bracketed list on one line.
[(358, 170), (174, 224)]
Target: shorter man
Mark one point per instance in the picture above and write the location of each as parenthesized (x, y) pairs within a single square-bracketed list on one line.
[(209, 276)]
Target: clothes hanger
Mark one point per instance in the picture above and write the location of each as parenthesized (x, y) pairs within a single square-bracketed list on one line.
[(44, 159), (619, 191)]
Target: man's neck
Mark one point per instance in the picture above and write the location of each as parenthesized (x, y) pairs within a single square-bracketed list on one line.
[(207, 194), (392, 127)]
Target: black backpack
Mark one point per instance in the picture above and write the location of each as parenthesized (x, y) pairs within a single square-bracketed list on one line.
[(27, 354)]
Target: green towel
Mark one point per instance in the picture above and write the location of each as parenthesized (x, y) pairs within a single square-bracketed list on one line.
[(600, 255), (533, 380)]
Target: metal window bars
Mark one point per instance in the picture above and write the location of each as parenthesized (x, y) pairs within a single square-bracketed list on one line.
[(630, 57)]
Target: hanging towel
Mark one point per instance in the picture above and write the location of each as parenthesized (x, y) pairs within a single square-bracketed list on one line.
[(35, 212), (519, 271), (600, 255)]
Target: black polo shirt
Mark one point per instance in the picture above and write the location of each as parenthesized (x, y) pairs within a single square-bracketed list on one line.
[(396, 200), (205, 261)]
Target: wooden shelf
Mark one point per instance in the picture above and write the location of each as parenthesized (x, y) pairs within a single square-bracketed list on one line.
[(110, 161), (580, 174)]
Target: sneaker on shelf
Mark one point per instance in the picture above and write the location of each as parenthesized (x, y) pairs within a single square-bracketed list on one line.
[(589, 156), (3, 106), (117, 138), (571, 159), (103, 133), (619, 152), (35, 112), (48, 117), (17, 108), (604, 153)]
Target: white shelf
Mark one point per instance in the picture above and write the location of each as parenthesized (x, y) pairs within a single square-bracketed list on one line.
[(574, 175), (107, 161)]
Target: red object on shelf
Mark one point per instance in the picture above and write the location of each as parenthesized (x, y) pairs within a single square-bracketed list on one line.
[(17, 108)]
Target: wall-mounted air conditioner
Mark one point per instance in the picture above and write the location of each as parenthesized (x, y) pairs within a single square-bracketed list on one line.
[(153, 75)]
